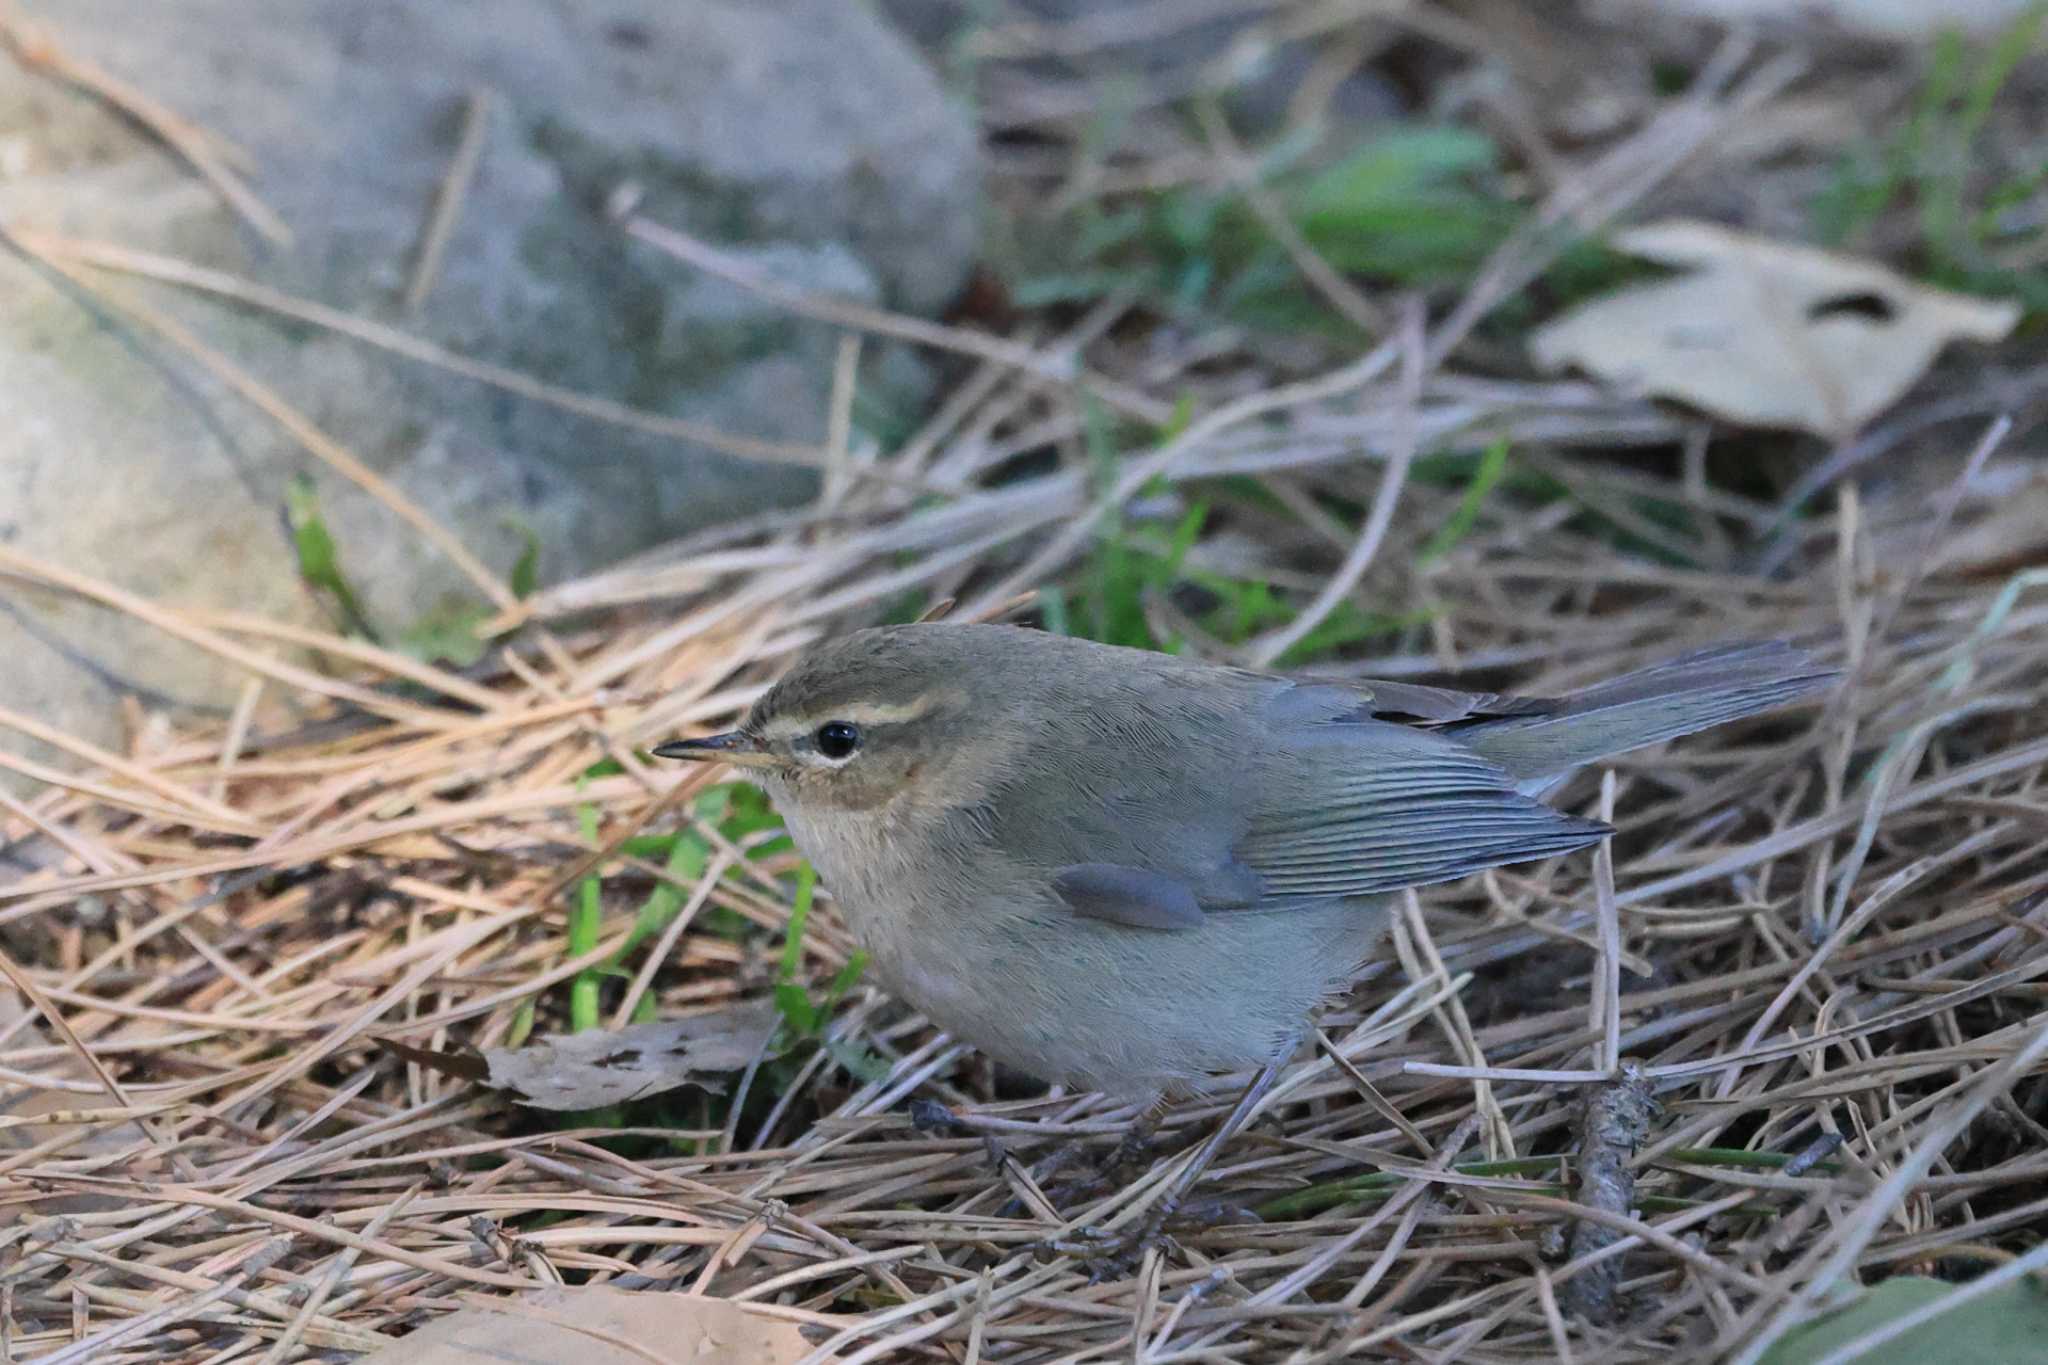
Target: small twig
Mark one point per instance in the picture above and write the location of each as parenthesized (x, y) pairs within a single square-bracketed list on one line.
[(33, 46), (1607, 981), (1504, 1073), (95, 1346), (839, 459), (301, 429), (1407, 443), (1812, 1154), (1368, 1092), (1360, 311), (1614, 1122), (281, 1349), (449, 197), (861, 317), (1421, 958), (147, 265), (1828, 1262)]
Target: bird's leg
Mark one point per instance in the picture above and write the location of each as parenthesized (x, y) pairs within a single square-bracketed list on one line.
[(1118, 1252), (1133, 1148), (1177, 1193), (1136, 1144), (1130, 1152)]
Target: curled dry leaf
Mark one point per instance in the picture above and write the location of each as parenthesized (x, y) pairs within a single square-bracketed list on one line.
[(1766, 333), (596, 1326), (590, 1070)]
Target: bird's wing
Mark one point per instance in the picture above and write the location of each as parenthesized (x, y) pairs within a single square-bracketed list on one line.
[(1358, 807), (1277, 792), (1180, 804), (1413, 703), (1135, 897)]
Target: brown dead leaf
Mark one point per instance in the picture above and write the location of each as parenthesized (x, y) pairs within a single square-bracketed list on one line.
[(1766, 333), (1900, 21), (597, 1326), (593, 1069)]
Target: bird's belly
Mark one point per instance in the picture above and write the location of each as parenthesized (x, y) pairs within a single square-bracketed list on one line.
[(1135, 1012)]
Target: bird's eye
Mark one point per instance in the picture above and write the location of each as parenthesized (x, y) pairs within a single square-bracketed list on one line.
[(838, 739)]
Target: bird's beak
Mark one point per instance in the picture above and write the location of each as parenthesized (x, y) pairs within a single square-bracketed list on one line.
[(734, 746)]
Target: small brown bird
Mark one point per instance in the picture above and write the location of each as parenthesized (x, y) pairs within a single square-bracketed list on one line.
[(1129, 871)]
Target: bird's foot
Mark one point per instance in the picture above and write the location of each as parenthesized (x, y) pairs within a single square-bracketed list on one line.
[(1132, 1154), (1108, 1256), (1116, 1255), (1097, 1176)]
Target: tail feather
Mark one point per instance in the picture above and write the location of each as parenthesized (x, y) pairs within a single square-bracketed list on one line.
[(1681, 696)]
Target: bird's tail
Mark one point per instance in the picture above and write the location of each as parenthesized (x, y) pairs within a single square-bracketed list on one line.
[(1682, 696)]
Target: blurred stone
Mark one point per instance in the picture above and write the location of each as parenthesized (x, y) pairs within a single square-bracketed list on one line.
[(804, 136)]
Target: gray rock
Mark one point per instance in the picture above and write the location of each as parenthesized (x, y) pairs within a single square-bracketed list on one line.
[(802, 134)]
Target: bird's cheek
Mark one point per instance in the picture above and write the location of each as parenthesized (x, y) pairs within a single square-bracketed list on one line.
[(777, 783)]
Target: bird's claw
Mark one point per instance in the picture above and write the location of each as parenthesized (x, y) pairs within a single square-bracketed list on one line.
[(1108, 1256), (1096, 1176), (1133, 1152), (1115, 1255), (1080, 1190)]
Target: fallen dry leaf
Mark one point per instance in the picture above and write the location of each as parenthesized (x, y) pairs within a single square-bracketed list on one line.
[(1766, 333), (593, 1069), (2011, 539), (597, 1326), (1905, 21)]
